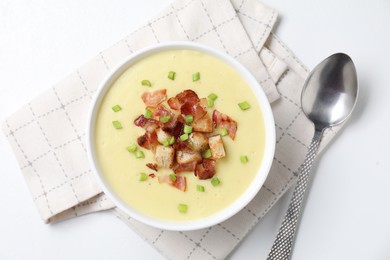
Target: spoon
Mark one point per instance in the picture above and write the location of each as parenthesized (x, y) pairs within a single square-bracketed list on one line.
[(328, 98)]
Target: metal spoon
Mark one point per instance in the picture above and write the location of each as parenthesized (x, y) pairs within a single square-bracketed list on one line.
[(328, 98)]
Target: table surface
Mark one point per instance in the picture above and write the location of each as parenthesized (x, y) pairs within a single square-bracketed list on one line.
[(347, 214)]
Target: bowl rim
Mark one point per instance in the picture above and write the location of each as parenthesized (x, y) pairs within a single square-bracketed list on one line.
[(244, 198)]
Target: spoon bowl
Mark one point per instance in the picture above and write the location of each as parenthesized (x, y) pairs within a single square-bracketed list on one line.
[(328, 98), (330, 92)]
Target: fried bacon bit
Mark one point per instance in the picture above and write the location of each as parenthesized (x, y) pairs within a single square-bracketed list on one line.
[(142, 121), (187, 95), (152, 175), (180, 182), (224, 121), (154, 98), (194, 109), (152, 166), (184, 167), (205, 169), (148, 141)]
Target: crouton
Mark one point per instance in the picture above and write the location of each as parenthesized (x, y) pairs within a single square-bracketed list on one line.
[(216, 146), (162, 135), (203, 124), (198, 141), (164, 156), (183, 157)]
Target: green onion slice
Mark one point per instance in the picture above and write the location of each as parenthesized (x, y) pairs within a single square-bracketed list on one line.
[(117, 124), (184, 137), (171, 75), (244, 159), (196, 76), (146, 82), (148, 113), (164, 119), (215, 181), (187, 129), (132, 148), (139, 154), (182, 208), (224, 132), (189, 119), (116, 108), (210, 102), (165, 142), (172, 177), (212, 96), (207, 154), (200, 188), (172, 140), (244, 105), (143, 176)]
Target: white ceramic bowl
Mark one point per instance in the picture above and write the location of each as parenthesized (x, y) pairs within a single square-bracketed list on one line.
[(238, 204)]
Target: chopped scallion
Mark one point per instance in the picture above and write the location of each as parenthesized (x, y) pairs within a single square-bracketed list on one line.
[(212, 96), (182, 208), (207, 154), (132, 148), (196, 76), (146, 82), (210, 102), (165, 142), (244, 105), (200, 188), (215, 181), (187, 129), (143, 176), (223, 132), (171, 140), (165, 119), (148, 113), (139, 154), (184, 137), (117, 124), (172, 177), (189, 119), (171, 75), (244, 159), (116, 108)]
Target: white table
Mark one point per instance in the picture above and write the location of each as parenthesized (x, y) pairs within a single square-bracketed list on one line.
[(347, 214)]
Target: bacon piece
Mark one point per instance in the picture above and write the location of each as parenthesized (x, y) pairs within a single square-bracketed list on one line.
[(180, 183), (152, 175), (224, 121), (184, 167), (179, 145), (148, 141), (141, 121), (152, 166), (161, 111), (205, 169), (187, 96), (175, 126), (194, 109), (154, 98), (174, 103)]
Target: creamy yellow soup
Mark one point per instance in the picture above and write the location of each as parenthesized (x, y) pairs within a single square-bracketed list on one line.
[(122, 169)]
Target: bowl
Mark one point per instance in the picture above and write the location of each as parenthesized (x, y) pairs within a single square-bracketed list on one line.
[(231, 209)]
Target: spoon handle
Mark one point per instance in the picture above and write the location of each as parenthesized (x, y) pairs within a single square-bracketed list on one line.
[(282, 247)]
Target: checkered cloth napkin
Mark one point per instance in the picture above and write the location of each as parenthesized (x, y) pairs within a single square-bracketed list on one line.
[(48, 134)]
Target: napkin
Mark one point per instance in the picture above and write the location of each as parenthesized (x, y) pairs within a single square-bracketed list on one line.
[(47, 135)]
